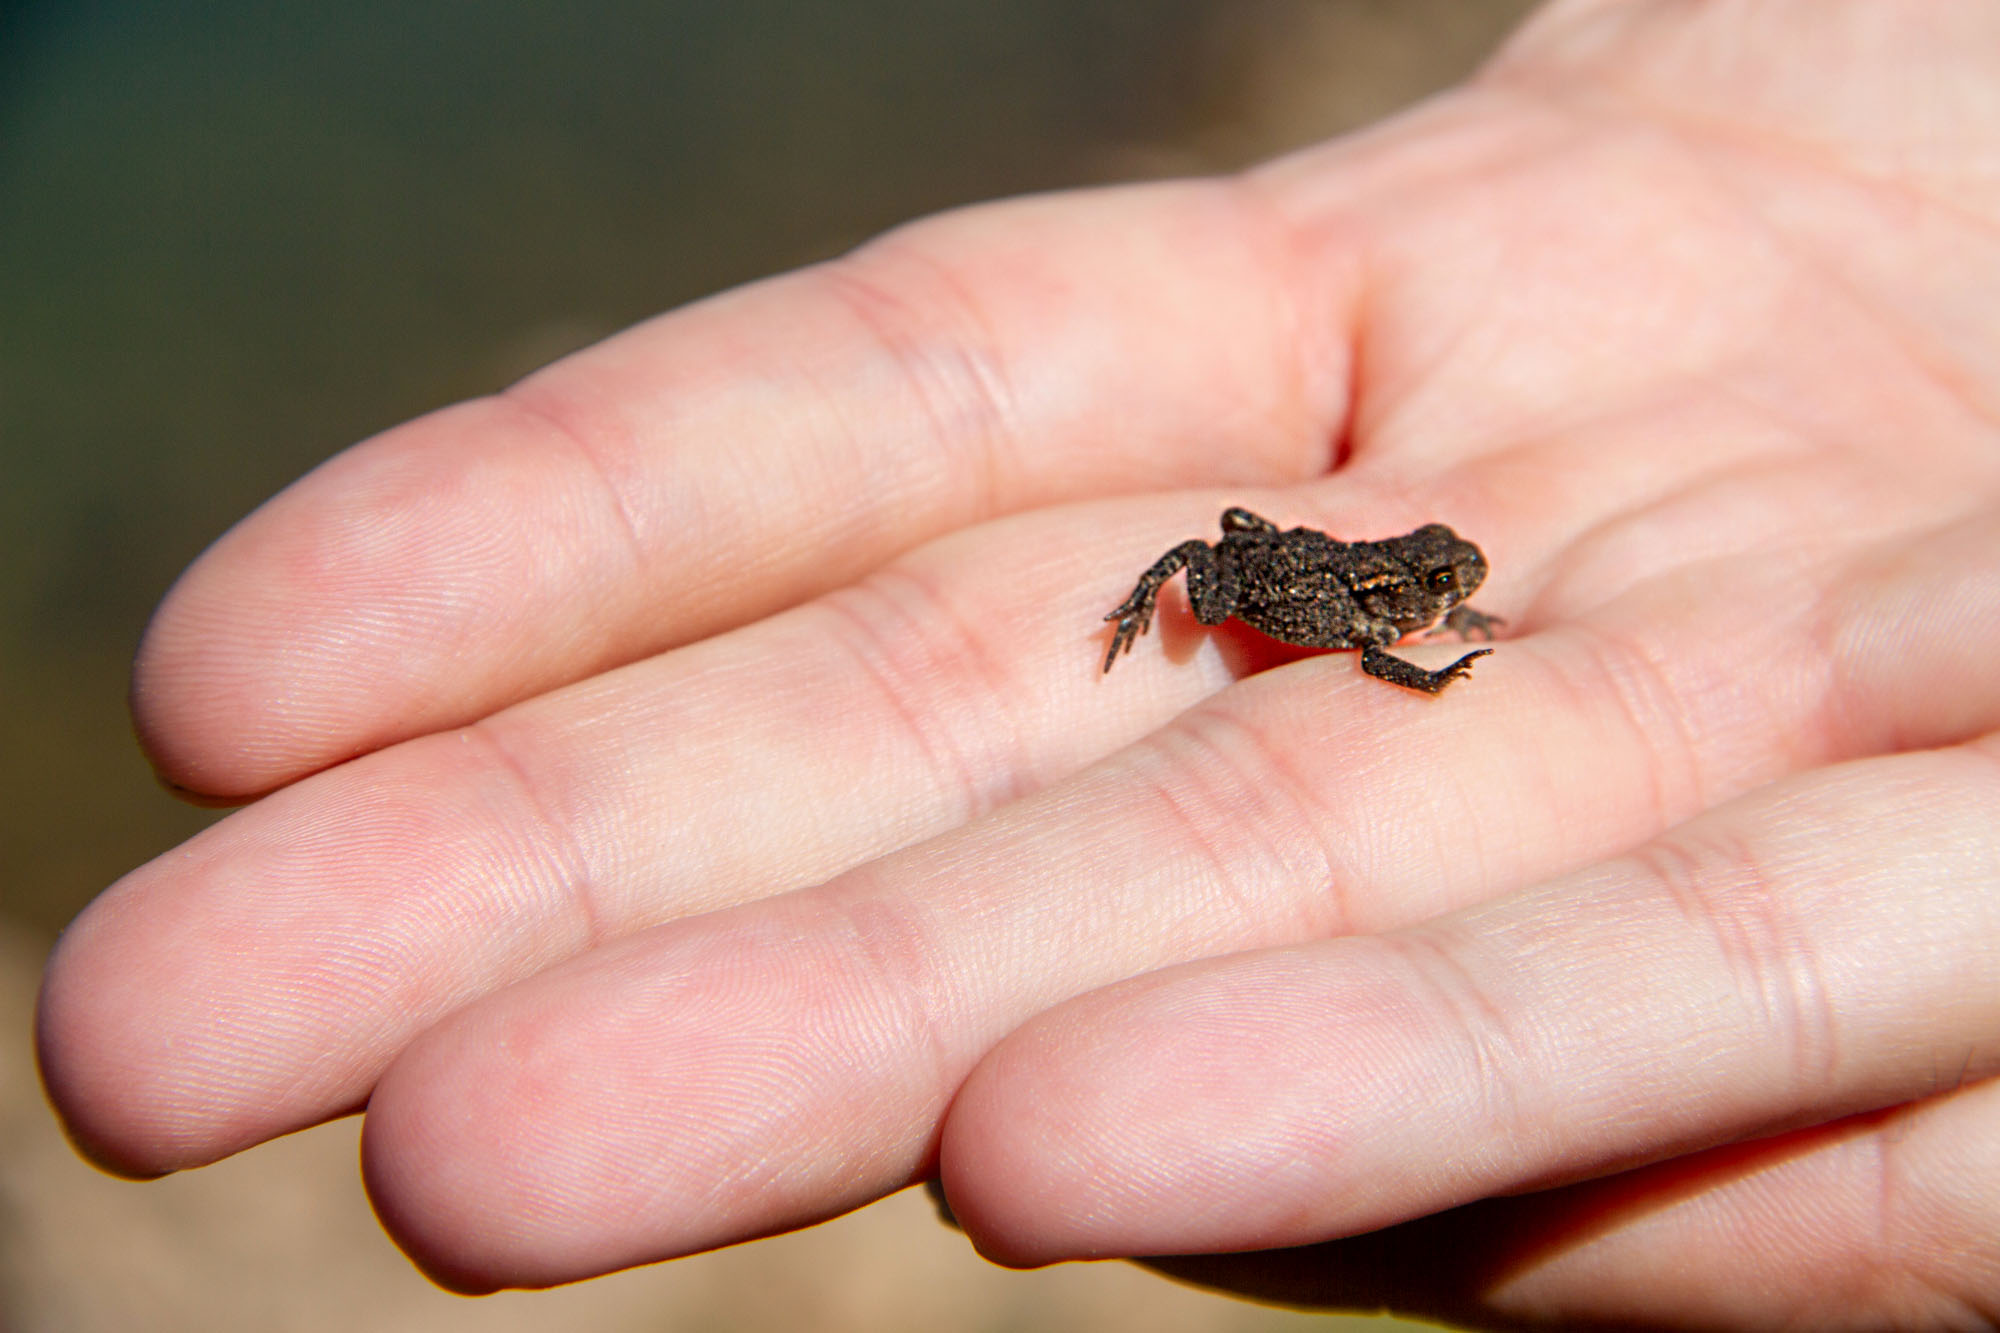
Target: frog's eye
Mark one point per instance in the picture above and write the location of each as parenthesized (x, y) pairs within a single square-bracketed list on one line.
[(1442, 580)]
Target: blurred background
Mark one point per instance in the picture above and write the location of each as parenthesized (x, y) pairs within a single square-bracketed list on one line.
[(236, 237)]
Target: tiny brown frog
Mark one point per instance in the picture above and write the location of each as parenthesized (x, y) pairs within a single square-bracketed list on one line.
[(1304, 587)]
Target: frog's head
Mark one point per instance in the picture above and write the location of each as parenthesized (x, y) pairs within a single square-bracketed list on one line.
[(1444, 570)]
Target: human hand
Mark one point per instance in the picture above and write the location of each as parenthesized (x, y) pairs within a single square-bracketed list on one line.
[(727, 822)]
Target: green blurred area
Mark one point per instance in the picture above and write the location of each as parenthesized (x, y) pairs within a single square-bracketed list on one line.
[(235, 238)]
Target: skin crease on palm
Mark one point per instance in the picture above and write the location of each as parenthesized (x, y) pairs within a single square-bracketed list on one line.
[(695, 808)]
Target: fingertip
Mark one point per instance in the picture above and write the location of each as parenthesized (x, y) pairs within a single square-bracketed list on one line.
[(86, 1116), (1021, 1163), (198, 711), (102, 1076), (193, 796), (415, 1169), (548, 1133), (689, 1087), (463, 1159), (1194, 1109), (236, 684), (409, 584), (183, 1014)]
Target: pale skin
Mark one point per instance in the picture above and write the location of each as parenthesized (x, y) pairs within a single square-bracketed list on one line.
[(696, 808)]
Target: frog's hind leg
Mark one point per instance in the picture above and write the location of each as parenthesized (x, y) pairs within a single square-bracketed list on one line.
[(1213, 584), (1209, 588)]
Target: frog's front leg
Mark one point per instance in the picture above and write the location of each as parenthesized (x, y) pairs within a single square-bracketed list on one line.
[(1396, 671), (1212, 588)]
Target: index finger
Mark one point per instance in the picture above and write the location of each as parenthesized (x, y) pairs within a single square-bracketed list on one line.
[(721, 462)]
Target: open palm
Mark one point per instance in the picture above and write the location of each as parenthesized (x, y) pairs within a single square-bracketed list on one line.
[(696, 808)]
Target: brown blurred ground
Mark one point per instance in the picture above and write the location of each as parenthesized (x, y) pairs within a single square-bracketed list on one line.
[(155, 383)]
